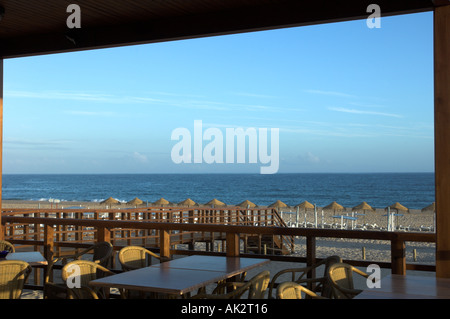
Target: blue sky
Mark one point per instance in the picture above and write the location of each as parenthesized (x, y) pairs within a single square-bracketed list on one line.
[(345, 98)]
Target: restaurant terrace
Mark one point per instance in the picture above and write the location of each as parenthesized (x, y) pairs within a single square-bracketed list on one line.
[(30, 28)]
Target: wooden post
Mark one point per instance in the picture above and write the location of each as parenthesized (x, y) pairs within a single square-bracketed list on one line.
[(2, 229), (398, 257), (442, 137), (311, 258), (164, 243), (232, 245), (103, 234), (48, 242)]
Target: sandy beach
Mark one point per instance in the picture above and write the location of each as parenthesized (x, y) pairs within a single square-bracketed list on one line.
[(372, 250)]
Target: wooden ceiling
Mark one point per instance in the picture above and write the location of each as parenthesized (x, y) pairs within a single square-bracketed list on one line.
[(31, 27)]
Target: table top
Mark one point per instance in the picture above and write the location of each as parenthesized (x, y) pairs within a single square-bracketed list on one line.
[(409, 287), (181, 275), (231, 265), (34, 258)]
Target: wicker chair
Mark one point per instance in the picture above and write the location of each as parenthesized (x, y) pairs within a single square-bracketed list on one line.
[(340, 277), (256, 288), (135, 257), (101, 255), (318, 285), (293, 290), (13, 275), (80, 273), (6, 245)]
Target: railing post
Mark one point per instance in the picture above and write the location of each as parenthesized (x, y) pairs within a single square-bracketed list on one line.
[(398, 257), (311, 259), (164, 243), (310, 250), (48, 242), (103, 234), (2, 229), (232, 245)]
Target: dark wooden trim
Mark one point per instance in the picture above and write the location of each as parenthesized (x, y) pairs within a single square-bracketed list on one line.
[(164, 243), (2, 230), (243, 18), (232, 244), (442, 137)]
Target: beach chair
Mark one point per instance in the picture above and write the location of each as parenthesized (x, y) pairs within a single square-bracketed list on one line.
[(135, 257), (293, 290), (13, 275), (340, 276), (303, 276), (6, 245)]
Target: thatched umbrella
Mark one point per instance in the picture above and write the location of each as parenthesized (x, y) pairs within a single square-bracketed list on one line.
[(246, 204), (187, 202), (161, 202), (135, 202), (363, 206), (430, 208), (110, 201), (215, 202), (278, 204), (397, 206), (304, 205), (333, 206), (391, 220)]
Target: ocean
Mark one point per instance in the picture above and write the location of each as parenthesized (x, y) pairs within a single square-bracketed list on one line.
[(413, 190)]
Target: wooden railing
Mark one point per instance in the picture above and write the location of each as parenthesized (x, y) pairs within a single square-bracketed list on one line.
[(194, 215), (104, 230)]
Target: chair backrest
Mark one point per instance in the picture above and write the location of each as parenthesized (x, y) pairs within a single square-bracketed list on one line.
[(327, 289), (340, 276), (293, 290), (135, 257), (289, 290), (6, 245), (13, 275), (258, 285), (256, 288), (102, 253), (307, 276), (78, 273)]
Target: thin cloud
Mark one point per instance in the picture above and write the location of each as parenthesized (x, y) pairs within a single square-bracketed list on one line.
[(332, 93), (90, 113), (355, 111), (256, 95), (172, 100), (53, 95), (36, 144)]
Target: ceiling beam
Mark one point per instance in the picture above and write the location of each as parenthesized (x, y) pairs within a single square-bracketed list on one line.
[(280, 14)]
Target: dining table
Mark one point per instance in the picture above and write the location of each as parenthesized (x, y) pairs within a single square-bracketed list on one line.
[(33, 258), (409, 287), (180, 276)]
